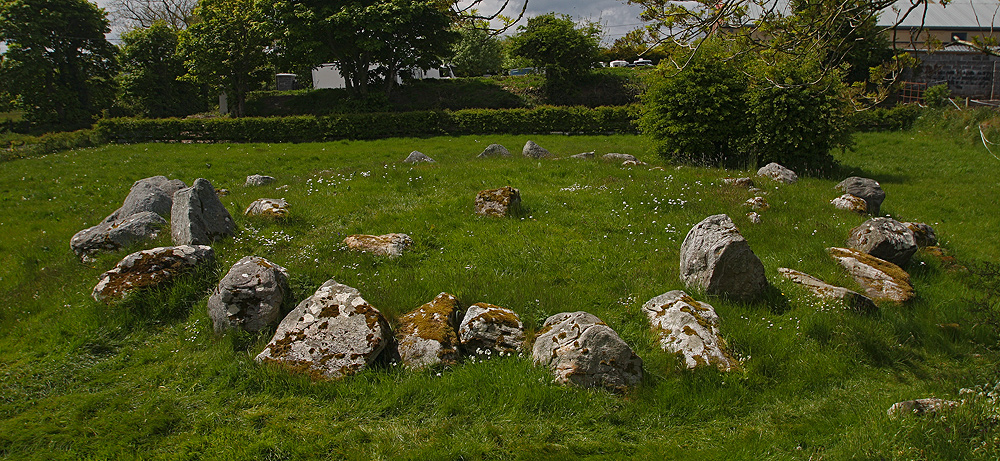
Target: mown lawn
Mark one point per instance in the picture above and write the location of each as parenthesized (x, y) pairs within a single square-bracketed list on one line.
[(147, 378)]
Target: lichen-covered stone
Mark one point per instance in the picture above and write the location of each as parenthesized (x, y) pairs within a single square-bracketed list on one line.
[(823, 290), (616, 157), (391, 245), (489, 329), (920, 407), (113, 236), (716, 259), (778, 173), (850, 203), (757, 203), (884, 238), (881, 280), (533, 150), (198, 216), (256, 180), (331, 334), (866, 189), (148, 194), (250, 296), (689, 328), (428, 335), (417, 157), (579, 349), (149, 268), (494, 150), (583, 155), (274, 208), (922, 233), (743, 183), (754, 217), (498, 202)]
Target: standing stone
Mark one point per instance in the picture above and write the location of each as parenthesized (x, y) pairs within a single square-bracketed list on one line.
[(149, 268), (268, 208), (331, 334), (149, 194), (256, 180), (850, 203), (417, 157), (198, 216), (533, 150), (498, 202), (580, 349), (113, 236), (250, 296), (690, 329), (427, 335), (866, 189), (920, 407), (391, 245), (488, 329), (778, 173), (922, 233), (823, 290), (716, 259), (881, 280), (884, 238), (616, 157), (494, 150)]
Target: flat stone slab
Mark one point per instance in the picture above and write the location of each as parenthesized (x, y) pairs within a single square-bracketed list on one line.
[(428, 335), (717, 260), (583, 155), (881, 280), (150, 268), (579, 349), (391, 245), (823, 290), (920, 407), (497, 202), (250, 296), (273, 208), (690, 329), (331, 334), (490, 330), (743, 183), (616, 157), (115, 235)]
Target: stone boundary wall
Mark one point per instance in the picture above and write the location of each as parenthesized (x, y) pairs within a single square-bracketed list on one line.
[(969, 74)]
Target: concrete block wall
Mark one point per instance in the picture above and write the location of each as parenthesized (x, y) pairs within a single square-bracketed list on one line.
[(973, 75)]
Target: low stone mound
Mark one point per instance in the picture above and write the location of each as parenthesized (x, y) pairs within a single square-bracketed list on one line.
[(498, 202), (852, 299), (273, 208), (850, 203), (250, 296), (881, 280), (921, 407), (428, 336), (717, 260), (689, 328), (417, 157), (778, 173), (391, 245), (743, 183), (922, 233), (754, 217), (866, 189), (757, 203), (331, 334), (494, 150), (584, 155), (616, 157), (488, 330), (884, 238), (533, 150), (150, 268), (113, 236), (580, 349), (257, 180), (198, 216)]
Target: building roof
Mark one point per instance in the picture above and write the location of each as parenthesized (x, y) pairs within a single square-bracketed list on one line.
[(959, 14)]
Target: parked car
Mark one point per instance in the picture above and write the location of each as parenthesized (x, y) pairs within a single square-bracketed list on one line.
[(619, 63)]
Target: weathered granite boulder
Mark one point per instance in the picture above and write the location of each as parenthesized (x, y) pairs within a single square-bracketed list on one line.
[(148, 194), (922, 233), (250, 296), (823, 290), (716, 259), (494, 150), (778, 173), (487, 329), (417, 157), (149, 268), (331, 334), (112, 236), (690, 329), (533, 150), (743, 183), (498, 202), (884, 238), (584, 155), (428, 335), (198, 216), (391, 245), (580, 349), (256, 180), (757, 203), (616, 157), (850, 203), (881, 280), (921, 407), (274, 208), (866, 189)]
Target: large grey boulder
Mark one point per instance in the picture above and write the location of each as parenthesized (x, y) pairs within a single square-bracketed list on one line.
[(256, 180), (428, 335), (331, 334), (498, 202), (778, 173), (150, 268), (884, 238), (148, 194), (113, 236), (881, 280), (866, 189), (920, 407), (823, 290), (690, 329), (391, 245), (273, 208), (580, 349), (533, 150), (494, 150), (250, 296), (417, 157), (198, 216), (490, 330), (717, 260)]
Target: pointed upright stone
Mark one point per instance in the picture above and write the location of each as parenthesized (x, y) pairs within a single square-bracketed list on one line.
[(198, 216)]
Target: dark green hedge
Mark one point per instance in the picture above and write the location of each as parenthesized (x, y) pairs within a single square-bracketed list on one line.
[(372, 126), (896, 118)]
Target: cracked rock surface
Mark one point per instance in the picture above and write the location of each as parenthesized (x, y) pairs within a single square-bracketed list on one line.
[(148, 268), (689, 328), (580, 349)]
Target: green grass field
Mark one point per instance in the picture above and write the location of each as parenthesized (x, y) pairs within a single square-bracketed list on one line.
[(148, 379)]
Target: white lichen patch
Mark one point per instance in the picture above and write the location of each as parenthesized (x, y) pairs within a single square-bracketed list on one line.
[(689, 328)]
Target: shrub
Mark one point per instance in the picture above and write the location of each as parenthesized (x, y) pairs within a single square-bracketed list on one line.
[(936, 95), (896, 118), (21, 146)]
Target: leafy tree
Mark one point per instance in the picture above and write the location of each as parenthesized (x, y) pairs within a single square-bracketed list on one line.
[(556, 44), (477, 52), (58, 67), (632, 46), (151, 68), (227, 50)]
